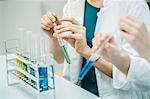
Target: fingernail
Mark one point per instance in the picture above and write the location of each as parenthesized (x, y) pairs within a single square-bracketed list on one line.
[(55, 35), (53, 20)]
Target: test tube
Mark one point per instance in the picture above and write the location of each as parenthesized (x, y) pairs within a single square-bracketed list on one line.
[(53, 76), (92, 60), (62, 45), (64, 50)]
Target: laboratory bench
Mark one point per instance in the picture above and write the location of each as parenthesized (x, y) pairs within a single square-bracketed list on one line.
[(63, 89)]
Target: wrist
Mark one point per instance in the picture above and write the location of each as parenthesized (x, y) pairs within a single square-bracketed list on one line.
[(86, 52), (125, 65)]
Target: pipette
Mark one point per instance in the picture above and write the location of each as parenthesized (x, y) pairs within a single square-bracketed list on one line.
[(62, 45), (92, 60)]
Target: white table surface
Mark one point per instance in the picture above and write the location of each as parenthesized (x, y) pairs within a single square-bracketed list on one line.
[(64, 89)]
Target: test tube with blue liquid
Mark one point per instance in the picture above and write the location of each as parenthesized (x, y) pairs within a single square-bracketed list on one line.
[(95, 56)]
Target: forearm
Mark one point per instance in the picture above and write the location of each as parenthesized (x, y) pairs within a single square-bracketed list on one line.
[(55, 49), (100, 64), (123, 63)]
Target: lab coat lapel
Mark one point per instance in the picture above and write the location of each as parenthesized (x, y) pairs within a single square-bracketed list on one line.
[(77, 9), (105, 20)]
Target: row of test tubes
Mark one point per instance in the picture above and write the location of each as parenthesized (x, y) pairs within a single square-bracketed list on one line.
[(42, 75), (34, 49)]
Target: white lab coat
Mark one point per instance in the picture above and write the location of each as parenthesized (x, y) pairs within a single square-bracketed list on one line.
[(120, 87)]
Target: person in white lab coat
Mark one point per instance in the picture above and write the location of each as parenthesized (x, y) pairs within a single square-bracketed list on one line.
[(89, 82), (137, 34), (118, 86)]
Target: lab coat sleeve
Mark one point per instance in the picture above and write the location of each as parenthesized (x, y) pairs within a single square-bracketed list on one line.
[(138, 74), (66, 9)]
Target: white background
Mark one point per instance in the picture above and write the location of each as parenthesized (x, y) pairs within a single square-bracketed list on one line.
[(24, 14)]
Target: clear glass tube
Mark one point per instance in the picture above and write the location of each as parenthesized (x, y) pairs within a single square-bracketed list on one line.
[(92, 60), (64, 50)]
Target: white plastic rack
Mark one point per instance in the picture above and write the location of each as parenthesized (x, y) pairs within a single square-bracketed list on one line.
[(35, 75)]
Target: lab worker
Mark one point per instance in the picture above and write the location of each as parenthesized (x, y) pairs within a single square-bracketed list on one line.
[(80, 10), (113, 84), (137, 34)]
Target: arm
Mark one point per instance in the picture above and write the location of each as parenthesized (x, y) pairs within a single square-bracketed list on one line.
[(139, 68), (48, 21), (78, 40), (55, 49), (47, 24)]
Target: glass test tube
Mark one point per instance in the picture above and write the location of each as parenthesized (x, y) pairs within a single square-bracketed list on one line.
[(64, 49)]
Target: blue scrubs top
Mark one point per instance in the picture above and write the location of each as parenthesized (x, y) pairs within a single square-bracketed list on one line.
[(89, 82)]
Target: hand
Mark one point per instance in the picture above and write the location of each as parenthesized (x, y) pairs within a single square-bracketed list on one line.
[(137, 35), (73, 32), (48, 21), (110, 52)]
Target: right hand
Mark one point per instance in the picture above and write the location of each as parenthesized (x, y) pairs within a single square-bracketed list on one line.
[(110, 52), (48, 21), (136, 33)]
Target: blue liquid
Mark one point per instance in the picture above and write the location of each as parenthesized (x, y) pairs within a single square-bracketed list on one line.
[(43, 84), (85, 69), (43, 78)]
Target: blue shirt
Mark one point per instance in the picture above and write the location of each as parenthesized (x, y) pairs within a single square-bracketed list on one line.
[(89, 82)]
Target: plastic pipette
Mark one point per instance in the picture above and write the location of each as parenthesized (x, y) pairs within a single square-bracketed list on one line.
[(92, 60), (62, 45)]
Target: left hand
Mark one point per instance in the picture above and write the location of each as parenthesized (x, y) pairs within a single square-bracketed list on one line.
[(76, 36), (111, 53)]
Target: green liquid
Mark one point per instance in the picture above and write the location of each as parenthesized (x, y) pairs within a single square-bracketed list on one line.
[(64, 49)]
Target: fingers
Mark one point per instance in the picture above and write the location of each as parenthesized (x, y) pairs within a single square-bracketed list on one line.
[(72, 20), (100, 41), (68, 27), (128, 37), (47, 21), (124, 26), (51, 16), (71, 36), (129, 20), (44, 27), (131, 25), (134, 20), (96, 42)]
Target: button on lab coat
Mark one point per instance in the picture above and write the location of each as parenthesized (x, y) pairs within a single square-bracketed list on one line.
[(120, 86)]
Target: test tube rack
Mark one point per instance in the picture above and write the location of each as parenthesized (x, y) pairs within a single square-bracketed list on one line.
[(29, 73)]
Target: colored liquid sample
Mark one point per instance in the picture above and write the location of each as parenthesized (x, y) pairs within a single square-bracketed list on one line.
[(64, 49), (43, 78), (25, 67), (43, 72), (85, 69), (32, 71), (43, 84)]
